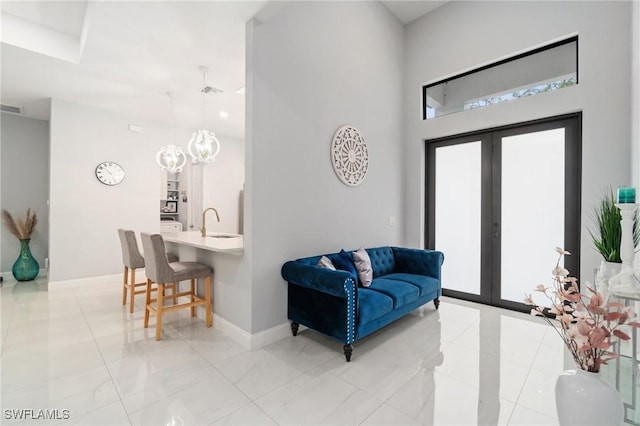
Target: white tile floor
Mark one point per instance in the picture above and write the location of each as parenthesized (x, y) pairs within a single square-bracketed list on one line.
[(76, 348)]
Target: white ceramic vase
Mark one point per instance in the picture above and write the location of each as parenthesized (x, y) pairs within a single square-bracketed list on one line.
[(606, 271), (584, 399)]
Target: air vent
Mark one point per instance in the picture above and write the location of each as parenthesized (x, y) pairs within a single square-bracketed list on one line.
[(12, 109), (208, 90)]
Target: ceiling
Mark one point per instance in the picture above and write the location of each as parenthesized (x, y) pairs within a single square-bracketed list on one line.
[(126, 56)]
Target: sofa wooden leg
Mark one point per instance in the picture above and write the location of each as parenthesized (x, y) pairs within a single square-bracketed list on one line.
[(436, 302), (294, 328), (348, 350)]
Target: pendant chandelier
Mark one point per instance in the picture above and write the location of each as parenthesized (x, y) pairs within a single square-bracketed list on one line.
[(170, 158), (203, 145)]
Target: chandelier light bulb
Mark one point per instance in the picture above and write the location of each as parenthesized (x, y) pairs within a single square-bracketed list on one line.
[(170, 158)]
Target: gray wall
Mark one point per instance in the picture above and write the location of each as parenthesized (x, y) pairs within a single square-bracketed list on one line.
[(24, 167), (311, 68), (314, 67), (635, 100), (461, 35), (222, 182), (635, 95), (85, 214)]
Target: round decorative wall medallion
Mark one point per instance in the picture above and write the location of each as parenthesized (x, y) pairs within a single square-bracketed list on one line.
[(349, 156)]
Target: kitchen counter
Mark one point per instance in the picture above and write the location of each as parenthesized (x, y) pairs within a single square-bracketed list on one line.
[(231, 285), (214, 241)]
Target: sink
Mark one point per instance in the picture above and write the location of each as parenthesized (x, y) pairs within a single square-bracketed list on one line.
[(223, 236)]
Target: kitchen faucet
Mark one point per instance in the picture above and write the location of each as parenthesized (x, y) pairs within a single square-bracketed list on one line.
[(204, 227)]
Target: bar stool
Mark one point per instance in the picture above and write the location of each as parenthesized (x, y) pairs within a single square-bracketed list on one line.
[(162, 272), (132, 259)]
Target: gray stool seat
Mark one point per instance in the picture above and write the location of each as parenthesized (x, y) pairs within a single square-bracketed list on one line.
[(163, 272), (186, 270), (132, 260)]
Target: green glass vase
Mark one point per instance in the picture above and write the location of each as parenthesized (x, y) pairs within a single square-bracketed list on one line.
[(26, 267)]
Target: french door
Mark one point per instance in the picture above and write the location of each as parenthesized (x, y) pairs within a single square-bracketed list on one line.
[(499, 202)]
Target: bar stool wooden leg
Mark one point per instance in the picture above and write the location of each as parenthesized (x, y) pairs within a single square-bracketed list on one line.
[(132, 288), (174, 289), (207, 296), (124, 285), (193, 292), (159, 311), (147, 305)]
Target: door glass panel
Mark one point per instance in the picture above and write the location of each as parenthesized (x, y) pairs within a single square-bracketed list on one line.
[(533, 169), (457, 214)]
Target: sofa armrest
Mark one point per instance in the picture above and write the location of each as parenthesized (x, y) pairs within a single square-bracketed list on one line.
[(316, 278), (418, 261)]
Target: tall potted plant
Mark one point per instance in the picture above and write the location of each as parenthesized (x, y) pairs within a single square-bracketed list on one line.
[(26, 268), (607, 234)]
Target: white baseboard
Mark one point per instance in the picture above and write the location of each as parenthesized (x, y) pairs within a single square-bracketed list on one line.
[(117, 278), (7, 276), (230, 329), (246, 339), (271, 335)]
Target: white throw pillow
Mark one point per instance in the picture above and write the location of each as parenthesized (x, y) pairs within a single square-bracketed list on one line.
[(325, 262), (363, 266)]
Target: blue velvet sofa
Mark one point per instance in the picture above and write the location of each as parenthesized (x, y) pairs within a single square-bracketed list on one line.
[(332, 302)]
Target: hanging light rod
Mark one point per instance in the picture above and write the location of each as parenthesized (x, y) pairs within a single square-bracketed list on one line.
[(203, 145), (170, 158)]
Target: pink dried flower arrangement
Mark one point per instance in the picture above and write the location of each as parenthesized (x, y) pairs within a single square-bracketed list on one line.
[(587, 325)]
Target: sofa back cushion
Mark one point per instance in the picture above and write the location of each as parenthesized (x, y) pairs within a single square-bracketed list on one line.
[(382, 261), (312, 260)]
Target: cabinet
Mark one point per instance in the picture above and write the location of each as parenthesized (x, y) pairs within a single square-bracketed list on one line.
[(172, 189), (170, 226), (169, 196)]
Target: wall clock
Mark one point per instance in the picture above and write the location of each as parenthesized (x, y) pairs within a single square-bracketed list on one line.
[(349, 156), (110, 173)]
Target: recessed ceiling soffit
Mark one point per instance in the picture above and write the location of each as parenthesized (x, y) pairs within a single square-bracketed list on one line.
[(46, 27)]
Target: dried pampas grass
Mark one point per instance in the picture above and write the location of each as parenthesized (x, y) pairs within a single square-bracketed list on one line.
[(22, 229)]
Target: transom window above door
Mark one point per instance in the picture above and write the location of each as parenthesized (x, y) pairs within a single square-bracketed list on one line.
[(544, 69)]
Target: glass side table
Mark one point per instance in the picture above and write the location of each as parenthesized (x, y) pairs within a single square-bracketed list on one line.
[(628, 379)]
